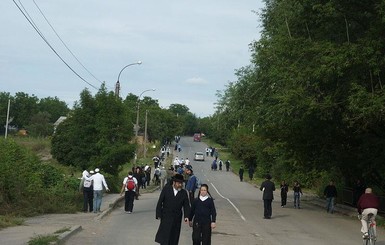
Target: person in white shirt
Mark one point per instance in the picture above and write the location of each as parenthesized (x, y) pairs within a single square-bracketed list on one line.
[(87, 189), (129, 188), (187, 161), (99, 182)]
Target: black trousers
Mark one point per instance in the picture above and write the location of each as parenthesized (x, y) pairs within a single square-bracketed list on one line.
[(267, 208), (88, 200), (283, 199), (191, 196), (129, 197), (201, 234)]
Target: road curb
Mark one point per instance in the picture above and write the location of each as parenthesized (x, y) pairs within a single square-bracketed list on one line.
[(109, 209), (64, 236), (74, 229)]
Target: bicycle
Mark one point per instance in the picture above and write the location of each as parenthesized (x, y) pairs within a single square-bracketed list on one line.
[(371, 238)]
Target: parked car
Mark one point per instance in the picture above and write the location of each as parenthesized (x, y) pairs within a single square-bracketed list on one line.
[(199, 156)]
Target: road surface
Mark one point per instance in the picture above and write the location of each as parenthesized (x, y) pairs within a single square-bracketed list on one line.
[(239, 221)]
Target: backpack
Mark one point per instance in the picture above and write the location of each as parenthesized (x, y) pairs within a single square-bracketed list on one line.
[(198, 182), (130, 184), (157, 172), (87, 183)]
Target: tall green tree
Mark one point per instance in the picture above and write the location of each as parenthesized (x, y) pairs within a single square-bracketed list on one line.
[(313, 93), (96, 134)]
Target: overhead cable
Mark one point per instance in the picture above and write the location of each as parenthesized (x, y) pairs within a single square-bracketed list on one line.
[(41, 12), (49, 45)]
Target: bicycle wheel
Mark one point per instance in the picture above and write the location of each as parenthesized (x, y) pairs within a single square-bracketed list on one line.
[(372, 236)]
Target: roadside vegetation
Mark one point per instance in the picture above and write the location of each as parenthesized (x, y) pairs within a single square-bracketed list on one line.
[(309, 107)]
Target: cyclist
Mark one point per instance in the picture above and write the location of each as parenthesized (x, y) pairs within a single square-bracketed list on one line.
[(367, 204)]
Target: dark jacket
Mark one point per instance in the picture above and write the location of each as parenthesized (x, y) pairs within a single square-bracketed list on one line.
[(203, 212), (268, 191), (284, 189), (330, 191), (367, 200), (169, 211)]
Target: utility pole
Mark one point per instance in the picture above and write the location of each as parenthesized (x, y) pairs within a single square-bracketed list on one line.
[(145, 136), (6, 125)]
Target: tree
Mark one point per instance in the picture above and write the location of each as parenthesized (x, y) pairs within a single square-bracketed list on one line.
[(23, 107), (96, 134), (54, 107), (313, 93), (39, 125)]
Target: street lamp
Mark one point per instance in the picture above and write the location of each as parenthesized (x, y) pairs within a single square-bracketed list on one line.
[(136, 127), (117, 86)]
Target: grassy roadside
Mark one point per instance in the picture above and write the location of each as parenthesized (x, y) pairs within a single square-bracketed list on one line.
[(225, 154)]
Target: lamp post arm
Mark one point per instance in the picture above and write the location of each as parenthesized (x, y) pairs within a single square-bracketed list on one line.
[(137, 111), (136, 63)]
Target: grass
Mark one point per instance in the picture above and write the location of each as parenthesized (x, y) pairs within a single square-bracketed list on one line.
[(8, 221), (43, 240), (62, 230)]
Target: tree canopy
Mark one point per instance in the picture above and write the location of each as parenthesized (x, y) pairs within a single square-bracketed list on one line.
[(312, 99)]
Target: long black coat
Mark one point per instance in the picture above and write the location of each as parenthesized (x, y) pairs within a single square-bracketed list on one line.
[(268, 191), (169, 211)]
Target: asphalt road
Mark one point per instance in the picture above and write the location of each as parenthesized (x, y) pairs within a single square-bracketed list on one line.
[(239, 220)]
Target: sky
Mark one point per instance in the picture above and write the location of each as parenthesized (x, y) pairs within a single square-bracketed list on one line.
[(189, 49)]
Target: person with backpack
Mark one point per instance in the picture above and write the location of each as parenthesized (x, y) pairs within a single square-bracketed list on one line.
[(129, 188), (88, 191), (191, 184)]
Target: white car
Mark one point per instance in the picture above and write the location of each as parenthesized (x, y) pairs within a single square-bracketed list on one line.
[(199, 156)]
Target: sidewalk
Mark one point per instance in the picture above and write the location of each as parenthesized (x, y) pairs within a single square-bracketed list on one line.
[(50, 223)]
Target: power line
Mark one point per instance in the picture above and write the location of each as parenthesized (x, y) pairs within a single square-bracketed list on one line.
[(49, 45), (64, 43)]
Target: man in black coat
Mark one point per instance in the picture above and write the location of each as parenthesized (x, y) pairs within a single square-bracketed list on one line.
[(169, 210), (268, 188)]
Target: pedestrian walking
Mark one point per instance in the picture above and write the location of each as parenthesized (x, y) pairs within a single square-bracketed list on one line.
[(227, 163), (268, 188), (251, 172), (163, 177), (99, 182), (129, 188), (86, 187), (284, 190), (330, 193), (241, 171), (297, 194), (191, 184), (202, 217), (138, 176), (172, 200)]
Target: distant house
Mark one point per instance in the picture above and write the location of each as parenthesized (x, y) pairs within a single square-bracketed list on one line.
[(58, 121)]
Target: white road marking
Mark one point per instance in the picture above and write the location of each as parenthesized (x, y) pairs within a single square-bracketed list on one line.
[(232, 204)]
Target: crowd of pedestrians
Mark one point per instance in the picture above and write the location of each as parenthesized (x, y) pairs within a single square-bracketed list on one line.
[(177, 201)]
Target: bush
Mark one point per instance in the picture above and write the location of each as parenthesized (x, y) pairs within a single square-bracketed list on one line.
[(29, 187)]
